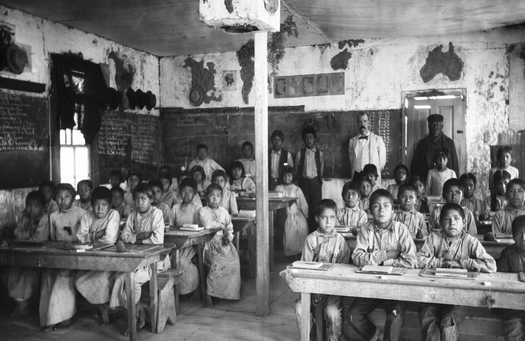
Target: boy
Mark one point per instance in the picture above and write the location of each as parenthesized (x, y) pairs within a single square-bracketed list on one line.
[(84, 188), (515, 194), (156, 187), (503, 158), (351, 215), (453, 193), (370, 171), (450, 247), (497, 200), (134, 179), (277, 159), (310, 169), (118, 204), (115, 178), (365, 189), (475, 205), (47, 188), (512, 259), (381, 242), (421, 200), (407, 214), (209, 165), (328, 246)]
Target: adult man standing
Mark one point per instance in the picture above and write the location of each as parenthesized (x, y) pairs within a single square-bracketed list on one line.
[(366, 148), (423, 159)]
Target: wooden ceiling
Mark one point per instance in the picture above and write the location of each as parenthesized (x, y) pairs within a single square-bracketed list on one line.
[(172, 27)]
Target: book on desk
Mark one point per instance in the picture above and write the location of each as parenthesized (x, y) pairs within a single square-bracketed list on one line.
[(312, 265), (382, 270)]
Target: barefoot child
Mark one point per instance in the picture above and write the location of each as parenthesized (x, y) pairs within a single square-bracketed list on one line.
[(208, 164), (57, 297), (351, 215), (84, 188), (439, 174), (220, 255), (515, 194), (247, 160), (450, 247), (381, 242), (421, 200), (497, 200), (295, 225), (240, 182), (228, 200), (401, 176), (99, 226), (47, 188), (156, 187), (407, 214), (327, 246), (504, 159), (22, 283)]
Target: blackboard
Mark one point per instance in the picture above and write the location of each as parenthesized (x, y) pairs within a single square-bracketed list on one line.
[(129, 141), (224, 133), (24, 149)]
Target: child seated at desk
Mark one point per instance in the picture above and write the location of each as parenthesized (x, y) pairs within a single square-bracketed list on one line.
[(515, 194), (98, 226), (205, 162), (497, 200), (134, 179), (453, 193), (370, 171), (228, 200), (115, 178), (57, 296), (22, 283), (475, 205), (421, 204), (118, 204), (450, 247), (178, 197), (220, 255), (512, 259), (47, 188), (84, 188), (328, 246), (438, 175), (240, 182), (365, 189), (381, 242), (503, 158), (247, 160), (167, 196), (407, 214), (351, 215), (296, 223), (187, 212), (198, 175), (400, 176), (156, 187), (144, 226)]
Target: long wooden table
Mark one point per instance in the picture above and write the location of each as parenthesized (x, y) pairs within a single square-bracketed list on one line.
[(503, 290), (54, 255)]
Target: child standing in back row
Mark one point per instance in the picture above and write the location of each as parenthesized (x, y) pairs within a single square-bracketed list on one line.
[(497, 200), (504, 158), (401, 176), (370, 171), (440, 173), (208, 164)]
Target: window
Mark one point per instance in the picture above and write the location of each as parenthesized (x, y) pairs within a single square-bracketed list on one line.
[(74, 157)]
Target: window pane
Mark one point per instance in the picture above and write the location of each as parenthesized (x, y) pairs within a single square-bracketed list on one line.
[(62, 137), (78, 138), (67, 162), (70, 181), (82, 163)]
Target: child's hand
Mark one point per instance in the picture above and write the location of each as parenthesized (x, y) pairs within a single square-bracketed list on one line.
[(68, 230), (225, 240), (392, 254), (451, 264), (99, 235), (143, 235)]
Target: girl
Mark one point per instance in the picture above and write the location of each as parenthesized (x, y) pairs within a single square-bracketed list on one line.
[(296, 224), (247, 160), (98, 226), (84, 188), (370, 171), (476, 206), (134, 179), (240, 182), (187, 212), (497, 200), (145, 225), (224, 276), (168, 196), (401, 176), (439, 174), (178, 197), (22, 283), (365, 189), (57, 298), (504, 159), (198, 175), (47, 188), (421, 204), (228, 200)]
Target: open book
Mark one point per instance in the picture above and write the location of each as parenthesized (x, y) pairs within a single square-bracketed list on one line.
[(382, 270), (451, 272), (313, 265)]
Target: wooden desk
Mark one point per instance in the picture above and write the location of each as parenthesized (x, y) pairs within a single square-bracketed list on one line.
[(54, 255), (505, 289), (183, 239)]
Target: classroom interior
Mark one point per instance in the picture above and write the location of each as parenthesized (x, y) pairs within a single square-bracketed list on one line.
[(372, 55)]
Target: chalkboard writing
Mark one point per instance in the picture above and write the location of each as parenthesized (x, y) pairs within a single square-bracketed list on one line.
[(129, 141), (24, 150)]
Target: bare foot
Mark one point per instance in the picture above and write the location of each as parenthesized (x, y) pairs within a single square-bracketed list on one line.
[(104, 313), (62, 325), (141, 316), (21, 309), (47, 329), (208, 302)]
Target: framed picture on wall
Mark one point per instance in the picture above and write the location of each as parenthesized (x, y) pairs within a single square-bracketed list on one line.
[(308, 86), (322, 84), (280, 87), (295, 86), (229, 80), (338, 83)]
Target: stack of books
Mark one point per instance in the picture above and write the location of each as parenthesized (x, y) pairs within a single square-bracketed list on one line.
[(275, 195)]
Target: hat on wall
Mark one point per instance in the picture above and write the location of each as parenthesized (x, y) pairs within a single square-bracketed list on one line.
[(141, 98), (16, 59), (116, 98), (132, 98), (196, 95), (152, 100), (435, 118)]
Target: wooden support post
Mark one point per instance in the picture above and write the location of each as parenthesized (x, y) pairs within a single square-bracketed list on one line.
[(261, 162)]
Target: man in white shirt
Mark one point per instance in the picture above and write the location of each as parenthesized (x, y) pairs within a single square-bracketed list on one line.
[(366, 148)]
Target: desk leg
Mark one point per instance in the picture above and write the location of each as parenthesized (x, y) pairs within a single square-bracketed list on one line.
[(153, 297), (270, 232), (130, 293), (202, 273), (305, 313)]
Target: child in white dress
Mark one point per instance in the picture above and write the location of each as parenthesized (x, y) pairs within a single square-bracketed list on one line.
[(438, 175), (240, 182), (228, 200)]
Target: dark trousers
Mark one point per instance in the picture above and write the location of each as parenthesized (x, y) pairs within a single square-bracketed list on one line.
[(358, 318), (272, 183), (312, 190), (439, 322)]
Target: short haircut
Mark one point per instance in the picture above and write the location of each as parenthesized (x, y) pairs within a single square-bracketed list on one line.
[(503, 150), (213, 187), (288, 170), (370, 169), (360, 178), (65, 187), (87, 182), (166, 175), (143, 188), (202, 146), (325, 204), (35, 196), (117, 190), (188, 182), (468, 176), (247, 143), (199, 169), (517, 224), (164, 168), (277, 133), (406, 188), (219, 173), (136, 173), (46, 183), (453, 183), (517, 182), (308, 130), (361, 114), (155, 183), (101, 193), (381, 193), (439, 152), (451, 207), (500, 175), (116, 172), (413, 179), (351, 186), (401, 166)]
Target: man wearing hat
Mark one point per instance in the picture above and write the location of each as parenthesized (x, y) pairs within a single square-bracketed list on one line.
[(422, 161)]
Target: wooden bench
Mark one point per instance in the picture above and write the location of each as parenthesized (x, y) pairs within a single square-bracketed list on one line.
[(168, 293)]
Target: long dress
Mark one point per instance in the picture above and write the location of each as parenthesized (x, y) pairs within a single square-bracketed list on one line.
[(296, 224), (224, 275), (188, 214), (23, 282), (57, 297), (96, 286)]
